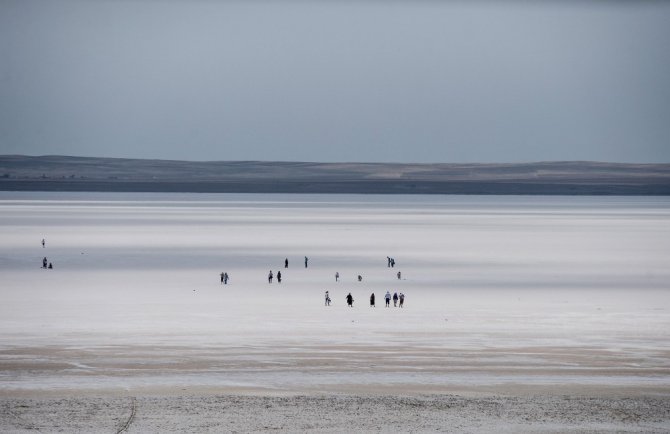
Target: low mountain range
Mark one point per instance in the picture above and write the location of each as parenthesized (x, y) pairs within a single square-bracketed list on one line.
[(64, 173)]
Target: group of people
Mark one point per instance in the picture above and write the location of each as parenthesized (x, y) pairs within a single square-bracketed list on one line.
[(271, 275), (398, 299)]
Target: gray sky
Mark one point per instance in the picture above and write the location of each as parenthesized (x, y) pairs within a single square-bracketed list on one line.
[(326, 80)]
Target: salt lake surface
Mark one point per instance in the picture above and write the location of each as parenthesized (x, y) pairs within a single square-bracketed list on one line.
[(502, 293)]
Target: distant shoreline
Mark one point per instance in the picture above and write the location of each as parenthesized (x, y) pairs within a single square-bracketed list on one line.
[(446, 188), (59, 173)]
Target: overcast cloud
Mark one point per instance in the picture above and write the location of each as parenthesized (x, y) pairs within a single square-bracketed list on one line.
[(426, 81)]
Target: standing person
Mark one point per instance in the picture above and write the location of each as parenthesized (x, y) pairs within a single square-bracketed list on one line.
[(392, 262), (306, 259), (286, 263), (44, 262), (270, 277), (350, 300), (372, 300), (402, 299), (337, 276), (43, 242), (278, 276), (223, 277), (388, 261), (360, 278), (387, 297), (395, 299), (398, 275), (327, 299)]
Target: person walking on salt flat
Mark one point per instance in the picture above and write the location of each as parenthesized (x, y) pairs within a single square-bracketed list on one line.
[(223, 276), (395, 299), (278, 276), (286, 263), (327, 299), (306, 259), (402, 299), (372, 300), (387, 297), (350, 300), (270, 276), (337, 276)]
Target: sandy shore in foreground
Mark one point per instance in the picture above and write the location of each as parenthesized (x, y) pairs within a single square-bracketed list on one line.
[(331, 413), (325, 389)]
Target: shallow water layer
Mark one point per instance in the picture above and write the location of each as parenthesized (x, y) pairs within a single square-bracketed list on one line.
[(499, 290)]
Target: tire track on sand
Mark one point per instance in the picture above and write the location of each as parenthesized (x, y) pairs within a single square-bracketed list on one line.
[(133, 410)]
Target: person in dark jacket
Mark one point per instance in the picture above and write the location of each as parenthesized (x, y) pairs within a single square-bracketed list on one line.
[(350, 300)]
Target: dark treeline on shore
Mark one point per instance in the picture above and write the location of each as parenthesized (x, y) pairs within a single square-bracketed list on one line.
[(62, 173)]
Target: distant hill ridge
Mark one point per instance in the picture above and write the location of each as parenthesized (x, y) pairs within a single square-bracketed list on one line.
[(64, 173)]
